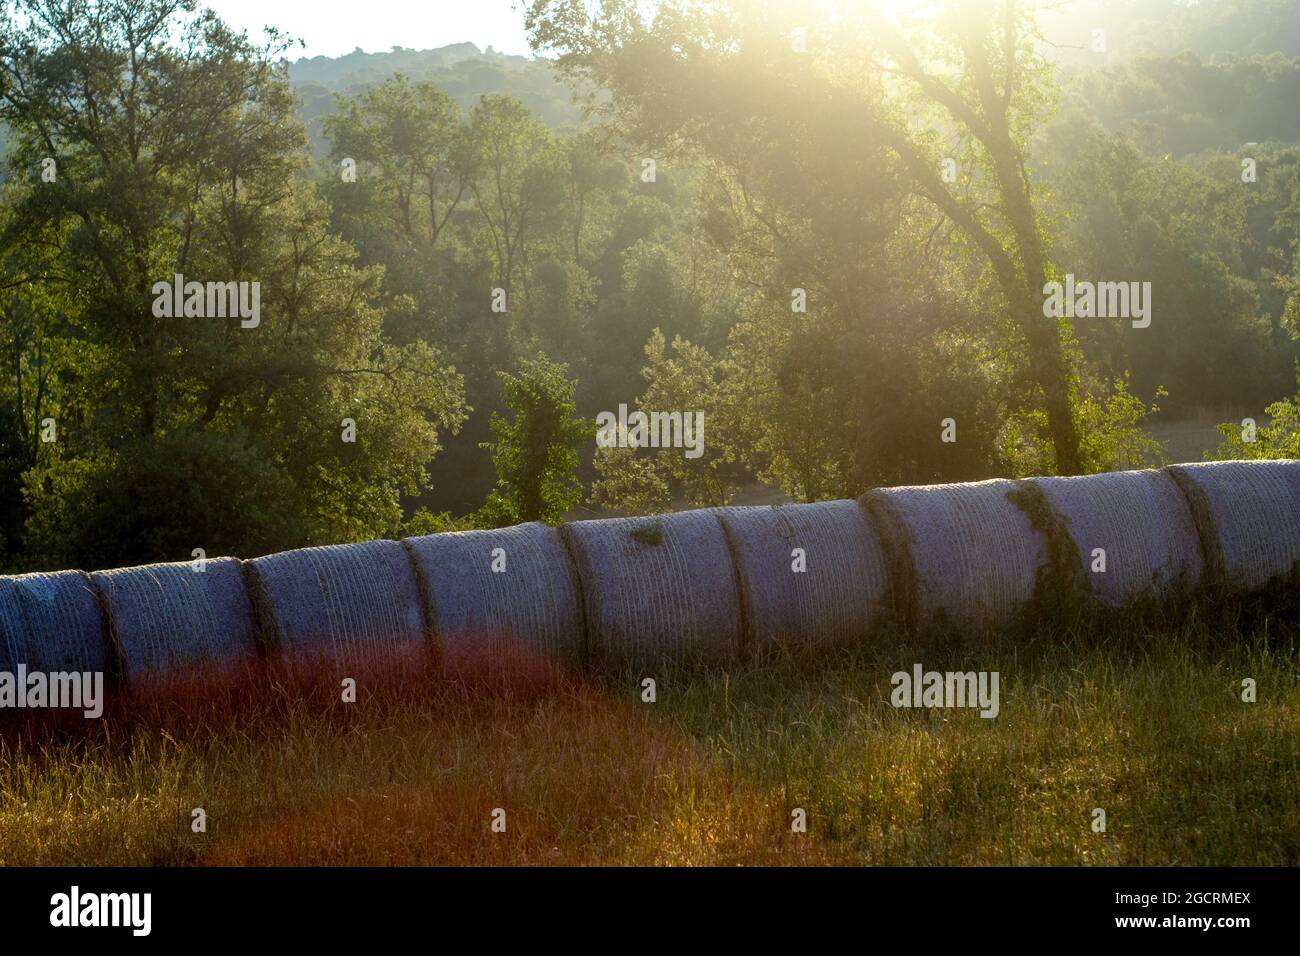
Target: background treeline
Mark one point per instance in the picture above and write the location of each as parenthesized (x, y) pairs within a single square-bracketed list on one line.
[(181, 146), (1211, 29), (460, 70)]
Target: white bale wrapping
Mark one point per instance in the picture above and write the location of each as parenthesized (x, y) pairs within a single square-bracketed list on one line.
[(1143, 523), (529, 606), (842, 594), (171, 616), (351, 601), (976, 555), (657, 588), (51, 622), (1255, 511)]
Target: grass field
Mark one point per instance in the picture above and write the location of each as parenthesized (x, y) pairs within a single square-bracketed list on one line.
[(1149, 727)]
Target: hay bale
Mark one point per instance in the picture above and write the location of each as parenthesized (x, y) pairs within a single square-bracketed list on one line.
[(1248, 515), (973, 556), (352, 603), (660, 588), (166, 617), (527, 608), (52, 622), (1142, 522), (839, 597)]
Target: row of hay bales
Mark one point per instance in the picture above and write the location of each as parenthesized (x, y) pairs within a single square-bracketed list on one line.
[(708, 584)]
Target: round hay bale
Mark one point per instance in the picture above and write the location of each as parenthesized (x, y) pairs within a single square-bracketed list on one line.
[(841, 593), (502, 595), (654, 589), (1248, 516), (52, 622), (1141, 521), (166, 617), (351, 603), (973, 555)]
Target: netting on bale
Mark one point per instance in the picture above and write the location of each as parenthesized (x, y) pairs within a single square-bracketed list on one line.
[(503, 597), (1141, 522), (347, 604), (1248, 514), (975, 556), (807, 571), (52, 622), (661, 588), (169, 616)]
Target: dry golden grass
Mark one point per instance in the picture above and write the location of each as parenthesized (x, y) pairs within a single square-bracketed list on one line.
[(1151, 728)]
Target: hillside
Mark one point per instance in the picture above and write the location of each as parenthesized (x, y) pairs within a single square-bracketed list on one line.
[(461, 69)]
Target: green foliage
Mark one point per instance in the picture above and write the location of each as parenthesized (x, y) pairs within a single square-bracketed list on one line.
[(182, 149), (455, 209), (688, 381), (178, 151), (1279, 438), (423, 522), (1209, 245), (824, 199), (629, 482), (520, 187), (1183, 104), (1148, 27), (461, 70), (1111, 426), (536, 451), (407, 141)]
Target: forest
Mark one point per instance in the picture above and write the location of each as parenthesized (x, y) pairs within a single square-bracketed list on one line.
[(824, 232)]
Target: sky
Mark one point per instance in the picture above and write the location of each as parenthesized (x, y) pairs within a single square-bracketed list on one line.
[(335, 27)]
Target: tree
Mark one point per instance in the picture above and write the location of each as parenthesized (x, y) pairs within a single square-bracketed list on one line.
[(408, 139), (520, 180), (723, 78), (1280, 438), (1189, 231), (536, 452), (177, 151), (981, 72)]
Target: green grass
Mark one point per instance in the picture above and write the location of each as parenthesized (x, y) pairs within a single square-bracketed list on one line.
[(1149, 727)]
